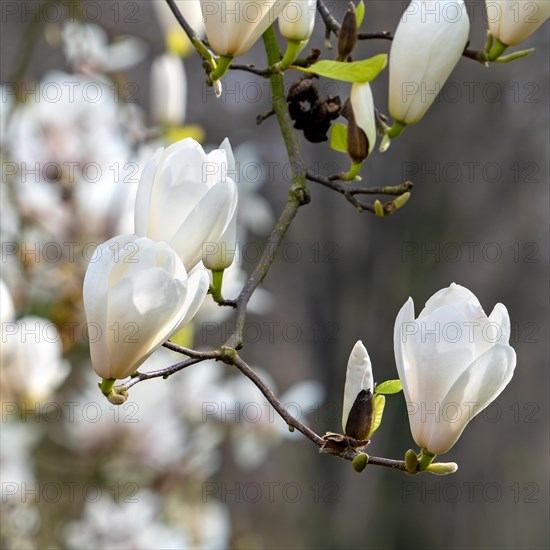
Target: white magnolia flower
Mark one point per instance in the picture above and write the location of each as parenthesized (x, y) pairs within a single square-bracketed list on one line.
[(358, 379), (362, 103), (453, 361), (137, 293), (186, 199), (297, 19), (168, 90), (234, 26), (513, 21), (34, 367), (428, 43)]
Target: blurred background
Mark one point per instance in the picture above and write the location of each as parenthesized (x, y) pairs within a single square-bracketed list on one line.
[(199, 460)]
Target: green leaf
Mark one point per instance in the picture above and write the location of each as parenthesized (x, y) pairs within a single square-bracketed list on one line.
[(357, 71), (388, 387), (360, 13), (378, 404), (339, 138)]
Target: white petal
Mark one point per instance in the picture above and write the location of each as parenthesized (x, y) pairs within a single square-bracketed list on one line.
[(206, 223), (145, 190), (474, 390), (197, 289)]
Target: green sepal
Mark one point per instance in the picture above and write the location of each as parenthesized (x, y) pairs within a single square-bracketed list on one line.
[(514, 56), (378, 404), (389, 387), (339, 138), (442, 468), (360, 13), (357, 71)]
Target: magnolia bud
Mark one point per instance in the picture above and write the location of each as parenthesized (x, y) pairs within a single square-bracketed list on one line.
[(411, 461), (513, 22), (297, 20), (347, 39), (360, 462), (425, 50)]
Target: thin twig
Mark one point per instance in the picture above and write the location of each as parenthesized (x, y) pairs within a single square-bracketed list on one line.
[(230, 357), (275, 403), (192, 353), (351, 193), (198, 44), (162, 373), (381, 35), (330, 22), (266, 73)]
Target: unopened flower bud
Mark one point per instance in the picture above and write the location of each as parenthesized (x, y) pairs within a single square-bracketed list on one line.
[(347, 39)]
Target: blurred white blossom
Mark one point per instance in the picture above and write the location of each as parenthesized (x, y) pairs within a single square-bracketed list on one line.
[(34, 368), (87, 49)]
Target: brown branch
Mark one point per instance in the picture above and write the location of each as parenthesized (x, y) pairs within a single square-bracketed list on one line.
[(351, 193), (192, 35), (231, 357), (331, 23)]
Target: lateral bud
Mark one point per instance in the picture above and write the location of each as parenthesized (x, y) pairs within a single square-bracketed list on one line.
[(411, 462), (360, 462)]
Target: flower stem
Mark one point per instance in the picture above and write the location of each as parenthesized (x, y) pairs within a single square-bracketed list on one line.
[(293, 49), (396, 130), (425, 459), (216, 287), (107, 385), (497, 50), (221, 68)]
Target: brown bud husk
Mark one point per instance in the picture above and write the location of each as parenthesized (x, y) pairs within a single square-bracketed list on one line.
[(360, 419), (358, 143), (347, 39)]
